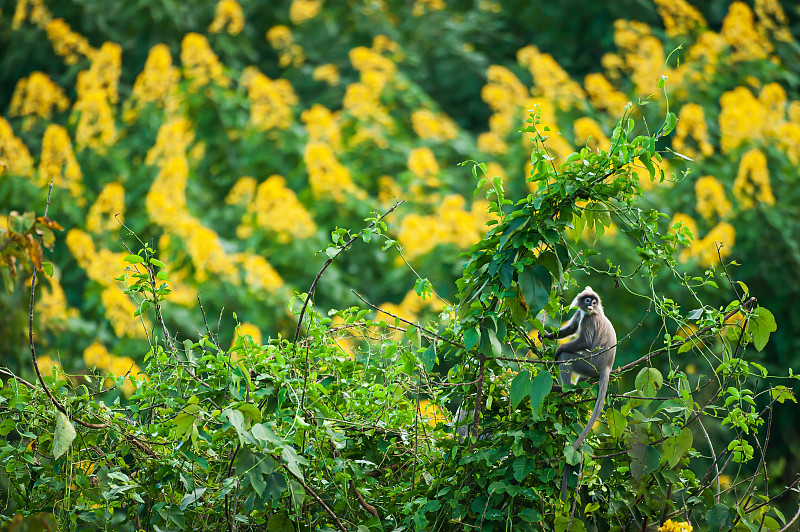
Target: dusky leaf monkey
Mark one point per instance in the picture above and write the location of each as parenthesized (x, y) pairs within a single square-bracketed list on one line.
[(590, 354)]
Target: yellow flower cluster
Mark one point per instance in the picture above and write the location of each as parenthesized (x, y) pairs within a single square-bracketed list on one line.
[(642, 55), (97, 91), (329, 73), (271, 101), (228, 17), (274, 206), (157, 83), (108, 211), (711, 198), (102, 265), (671, 526), (739, 30), (705, 249), (423, 6), (429, 125), (13, 152), (37, 95), (549, 79), (679, 17), (773, 18), (603, 96), (752, 181), (451, 224), (58, 163), (322, 125), (303, 10), (422, 164), (692, 124), (504, 93), (97, 356), (375, 70), (259, 275), (741, 118), (52, 308), (289, 52), (39, 14), (172, 140), (589, 132), (68, 44), (243, 330), (200, 64), (363, 104), (328, 177)]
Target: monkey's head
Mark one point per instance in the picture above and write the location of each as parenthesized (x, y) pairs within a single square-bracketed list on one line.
[(588, 301)]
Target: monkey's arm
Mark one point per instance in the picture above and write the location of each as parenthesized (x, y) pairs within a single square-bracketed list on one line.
[(569, 328)]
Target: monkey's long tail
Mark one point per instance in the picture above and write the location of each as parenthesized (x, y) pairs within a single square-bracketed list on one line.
[(605, 374)]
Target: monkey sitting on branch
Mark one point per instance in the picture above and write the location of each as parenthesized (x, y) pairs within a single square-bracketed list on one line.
[(589, 355)]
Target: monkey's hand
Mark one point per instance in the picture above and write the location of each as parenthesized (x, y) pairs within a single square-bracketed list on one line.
[(545, 334)]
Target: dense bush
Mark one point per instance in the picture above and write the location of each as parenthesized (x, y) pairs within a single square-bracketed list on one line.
[(232, 150)]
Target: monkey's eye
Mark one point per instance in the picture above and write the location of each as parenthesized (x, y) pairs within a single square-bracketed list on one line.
[(588, 300)]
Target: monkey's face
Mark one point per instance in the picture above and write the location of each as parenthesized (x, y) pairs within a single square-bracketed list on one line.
[(588, 303)]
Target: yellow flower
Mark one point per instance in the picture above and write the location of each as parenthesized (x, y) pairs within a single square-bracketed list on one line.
[(375, 69), (271, 101), (67, 43), (277, 208), (39, 14), (679, 16), (588, 132), (259, 275), (429, 125), (423, 6), (201, 65), (157, 82), (326, 175), (289, 53), (752, 181), (228, 17), (173, 139), (773, 98), (37, 95), (13, 152), (242, 192), (243, 330), (432, 413), (58, 163), (110, 204), (329, 73), (603, 96), (740, 31), (322, 126), (772, 17), (362, 103), (119, 312), (741, 118), (303, 10), (165, 202), (549, 79), (490, 142), (504, 90), (52, 308), (670, 526), (692, 124), (422, 164), (711, 198)]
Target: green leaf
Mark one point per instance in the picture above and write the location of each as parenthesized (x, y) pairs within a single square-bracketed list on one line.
[(781, 394), (236, 419), (133, 259), (720, 517), (562, 522), (644, 460), (676, 447), (471, 338), (761, 324), (191, 497), (429, 358), (63, 436), (540, 386), (490, 345), (414, 336), (518, 466), (520, 387), (250, 410), (275, 485), (648, 381), (617, 422), (48, 268), (280, 523)]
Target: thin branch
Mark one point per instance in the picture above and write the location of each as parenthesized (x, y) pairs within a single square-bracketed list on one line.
[(316, 497)]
